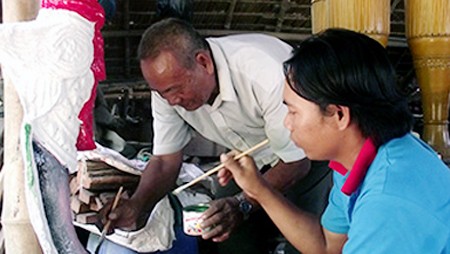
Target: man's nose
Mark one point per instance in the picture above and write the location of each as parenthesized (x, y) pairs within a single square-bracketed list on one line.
[(174, 100), (287, 122)]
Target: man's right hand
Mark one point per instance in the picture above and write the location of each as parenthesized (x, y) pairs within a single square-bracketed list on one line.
[(156, 181), (128, 216)]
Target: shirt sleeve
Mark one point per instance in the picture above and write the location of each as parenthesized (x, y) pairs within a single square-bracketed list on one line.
[(171, 133), (334, 218), (269, 92)]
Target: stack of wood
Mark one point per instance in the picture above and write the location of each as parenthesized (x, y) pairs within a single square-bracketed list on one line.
[(95, 184)]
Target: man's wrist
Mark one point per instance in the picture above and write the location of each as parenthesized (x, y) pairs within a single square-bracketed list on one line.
[(245, 206)]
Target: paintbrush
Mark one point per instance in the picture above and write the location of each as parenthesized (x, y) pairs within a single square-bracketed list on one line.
[(217, 168), (108, 222)]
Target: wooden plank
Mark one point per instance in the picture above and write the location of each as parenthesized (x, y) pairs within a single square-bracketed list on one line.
[(97, 205), (77, 206), (86, 196), (109, 182), (86, 218), (95, 165)]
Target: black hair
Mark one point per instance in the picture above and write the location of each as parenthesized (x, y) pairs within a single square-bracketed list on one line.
[(347, 68), (174, 35)]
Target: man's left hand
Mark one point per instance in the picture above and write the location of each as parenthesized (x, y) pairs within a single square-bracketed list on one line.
[(222, 217)]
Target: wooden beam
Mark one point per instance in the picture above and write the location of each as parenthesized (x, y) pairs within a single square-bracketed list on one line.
[(230, 14), (285, 4)]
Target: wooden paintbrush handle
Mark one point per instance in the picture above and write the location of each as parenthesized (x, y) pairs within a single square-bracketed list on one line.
[(217, 168)]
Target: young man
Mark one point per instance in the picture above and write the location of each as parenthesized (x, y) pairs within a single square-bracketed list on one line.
[(229, 89), (390, 192)]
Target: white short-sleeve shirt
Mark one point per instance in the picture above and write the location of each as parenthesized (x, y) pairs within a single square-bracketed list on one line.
[(248, 108)]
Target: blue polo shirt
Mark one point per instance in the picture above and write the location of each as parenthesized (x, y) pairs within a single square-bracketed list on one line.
[(401, 204)]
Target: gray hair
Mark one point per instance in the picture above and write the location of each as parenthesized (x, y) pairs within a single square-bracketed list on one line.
[(174, 35)]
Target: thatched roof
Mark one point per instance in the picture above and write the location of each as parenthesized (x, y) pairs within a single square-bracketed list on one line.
[(289, 20)]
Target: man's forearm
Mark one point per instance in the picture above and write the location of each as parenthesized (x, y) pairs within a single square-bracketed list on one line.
[(156, 181), (302, 229)]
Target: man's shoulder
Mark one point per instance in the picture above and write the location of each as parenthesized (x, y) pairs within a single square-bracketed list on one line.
[(243, 37), (249, 41)]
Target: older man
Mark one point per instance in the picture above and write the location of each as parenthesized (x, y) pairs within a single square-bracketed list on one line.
[(229, 90)]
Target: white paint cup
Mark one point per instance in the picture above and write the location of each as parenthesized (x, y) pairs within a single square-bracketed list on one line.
[(191, 219)]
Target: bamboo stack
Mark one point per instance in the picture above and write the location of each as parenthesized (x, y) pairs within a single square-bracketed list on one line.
[(94, 185)]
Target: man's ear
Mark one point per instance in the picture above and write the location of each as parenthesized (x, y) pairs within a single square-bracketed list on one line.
[(203, 58), (341, 115)]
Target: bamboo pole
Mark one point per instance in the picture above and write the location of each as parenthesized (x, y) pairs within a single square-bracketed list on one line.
[(18, 231)]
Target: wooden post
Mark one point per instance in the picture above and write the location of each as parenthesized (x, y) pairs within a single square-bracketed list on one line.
[(18, 232), (428, 32)]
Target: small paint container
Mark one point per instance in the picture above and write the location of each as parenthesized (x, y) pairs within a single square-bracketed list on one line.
[(191, 219)]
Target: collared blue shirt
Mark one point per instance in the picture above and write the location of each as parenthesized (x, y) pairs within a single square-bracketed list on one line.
[(402, 205)]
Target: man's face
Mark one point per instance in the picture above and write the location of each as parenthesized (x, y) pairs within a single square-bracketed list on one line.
[(188, 88), (310, 128)]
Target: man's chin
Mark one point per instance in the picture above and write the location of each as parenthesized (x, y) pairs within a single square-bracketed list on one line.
[(191, 107)]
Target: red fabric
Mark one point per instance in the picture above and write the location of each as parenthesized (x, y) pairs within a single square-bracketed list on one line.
[(92, 11), (359, 169)]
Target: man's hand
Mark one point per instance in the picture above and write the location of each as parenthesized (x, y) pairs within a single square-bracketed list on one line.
[(127, 216), (223, 216), (244, 172)]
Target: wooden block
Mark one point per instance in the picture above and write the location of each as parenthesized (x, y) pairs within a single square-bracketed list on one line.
[(108, 172), (86, 218), (96, 165), (109, 182), (97, 205), (81, 170), (105, 197), (74, 185), (77, 206), (86, 196)]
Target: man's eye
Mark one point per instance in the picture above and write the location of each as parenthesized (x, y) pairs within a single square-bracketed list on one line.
[(169, 91)]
